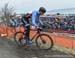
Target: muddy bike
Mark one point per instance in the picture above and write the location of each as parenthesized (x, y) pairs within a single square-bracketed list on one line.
[(42, 40)]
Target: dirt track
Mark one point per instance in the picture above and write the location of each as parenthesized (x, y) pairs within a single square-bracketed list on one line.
[(8, 49)]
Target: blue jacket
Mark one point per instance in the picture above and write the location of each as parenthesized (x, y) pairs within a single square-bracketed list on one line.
[(36, 17)]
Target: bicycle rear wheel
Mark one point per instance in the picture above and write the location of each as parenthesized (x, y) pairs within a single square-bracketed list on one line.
[(44, 41), (19, 38)]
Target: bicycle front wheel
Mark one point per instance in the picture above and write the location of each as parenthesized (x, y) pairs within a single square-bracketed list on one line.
[(19, 38), (44, 41)]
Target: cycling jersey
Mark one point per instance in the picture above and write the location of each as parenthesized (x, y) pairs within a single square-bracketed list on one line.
[(36, 19)]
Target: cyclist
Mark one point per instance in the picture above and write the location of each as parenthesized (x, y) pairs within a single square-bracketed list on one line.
[(35, 20)]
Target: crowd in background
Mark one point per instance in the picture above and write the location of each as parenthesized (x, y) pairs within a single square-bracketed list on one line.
[(67, 23)]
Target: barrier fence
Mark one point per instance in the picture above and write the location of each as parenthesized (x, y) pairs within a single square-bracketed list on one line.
[(59, 39)]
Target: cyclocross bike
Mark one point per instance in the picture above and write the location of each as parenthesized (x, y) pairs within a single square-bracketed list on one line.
[(42, 40)]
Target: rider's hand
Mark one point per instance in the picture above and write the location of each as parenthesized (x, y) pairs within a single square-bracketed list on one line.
[(43, 26)]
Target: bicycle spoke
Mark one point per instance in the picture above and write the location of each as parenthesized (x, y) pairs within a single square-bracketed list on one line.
[(44, 41), (20, 39)]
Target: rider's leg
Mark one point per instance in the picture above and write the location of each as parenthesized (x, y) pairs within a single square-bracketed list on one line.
[(28, 34)]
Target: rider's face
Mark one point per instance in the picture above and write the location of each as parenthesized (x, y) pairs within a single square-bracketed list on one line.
[(41, 13)]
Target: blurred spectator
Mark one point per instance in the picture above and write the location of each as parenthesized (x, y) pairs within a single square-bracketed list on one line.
[(67, 23), (13, 22)]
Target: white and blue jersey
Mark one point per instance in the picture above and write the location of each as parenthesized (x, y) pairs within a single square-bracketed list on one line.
[(36, 20)]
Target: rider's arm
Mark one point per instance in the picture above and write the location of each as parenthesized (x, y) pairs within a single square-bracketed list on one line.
[(34, 18), (40, 21)]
